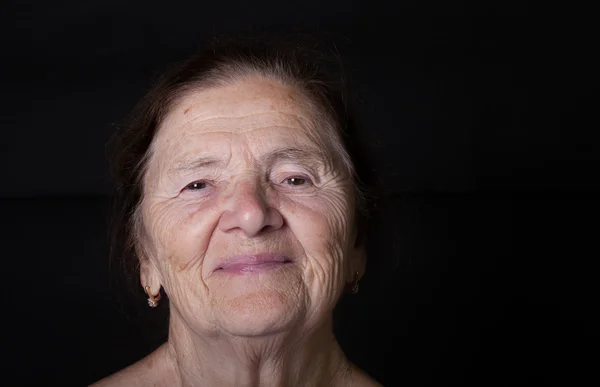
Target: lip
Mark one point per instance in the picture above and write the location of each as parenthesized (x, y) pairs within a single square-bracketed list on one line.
[(240, 264)]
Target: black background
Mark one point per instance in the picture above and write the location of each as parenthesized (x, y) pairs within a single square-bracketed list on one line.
[(491, 194)]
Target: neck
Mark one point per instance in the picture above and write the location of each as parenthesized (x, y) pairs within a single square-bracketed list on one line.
[(282, 359)]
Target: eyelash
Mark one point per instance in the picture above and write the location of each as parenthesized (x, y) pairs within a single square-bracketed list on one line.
[(307, 180), (191, 188), (203, 184)]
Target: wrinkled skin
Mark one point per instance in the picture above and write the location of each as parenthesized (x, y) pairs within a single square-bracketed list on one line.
[(246, 206), (216, 186)]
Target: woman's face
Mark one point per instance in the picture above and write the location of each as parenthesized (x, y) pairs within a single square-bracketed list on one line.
[(247, 217)]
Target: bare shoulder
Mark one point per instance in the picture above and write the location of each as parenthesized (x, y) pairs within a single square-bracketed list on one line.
[(361, 379), (146, 372)]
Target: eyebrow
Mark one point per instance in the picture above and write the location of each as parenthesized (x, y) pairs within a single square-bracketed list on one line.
[(194, 165), (310, 157)]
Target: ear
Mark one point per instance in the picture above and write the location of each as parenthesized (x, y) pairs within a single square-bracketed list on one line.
[(358, 262), (149, 275), (358, 255)]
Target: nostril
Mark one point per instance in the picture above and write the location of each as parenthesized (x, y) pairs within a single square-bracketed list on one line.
[(267, 228)]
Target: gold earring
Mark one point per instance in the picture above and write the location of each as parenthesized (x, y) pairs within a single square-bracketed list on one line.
[(152, 300), (355, 287)]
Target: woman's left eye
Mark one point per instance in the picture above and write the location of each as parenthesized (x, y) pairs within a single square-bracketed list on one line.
[(297, 181)]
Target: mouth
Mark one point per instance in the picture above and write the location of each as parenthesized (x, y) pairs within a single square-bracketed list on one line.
[(256, 263)]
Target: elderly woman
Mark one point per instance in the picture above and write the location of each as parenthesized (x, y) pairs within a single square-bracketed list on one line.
[(240, 200)]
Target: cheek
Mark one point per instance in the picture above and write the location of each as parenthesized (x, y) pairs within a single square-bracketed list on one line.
[(322, 226), (180, 232), (327, 217)]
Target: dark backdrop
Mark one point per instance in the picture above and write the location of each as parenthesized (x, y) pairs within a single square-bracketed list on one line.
[(490, 207)]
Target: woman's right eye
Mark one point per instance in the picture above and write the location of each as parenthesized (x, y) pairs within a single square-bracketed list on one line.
[(196, 186)]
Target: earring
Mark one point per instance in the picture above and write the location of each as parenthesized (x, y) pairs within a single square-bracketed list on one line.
[(355, 287), (152, 300)]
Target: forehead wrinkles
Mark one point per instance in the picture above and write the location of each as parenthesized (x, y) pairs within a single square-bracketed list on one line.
[(222, 106), (179, 127), (214, 108), (240, 109)]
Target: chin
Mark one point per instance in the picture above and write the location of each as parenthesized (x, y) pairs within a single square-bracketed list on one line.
[(260, 314)]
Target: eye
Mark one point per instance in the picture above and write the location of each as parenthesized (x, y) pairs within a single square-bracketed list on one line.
[(196, 186), (297, 181)]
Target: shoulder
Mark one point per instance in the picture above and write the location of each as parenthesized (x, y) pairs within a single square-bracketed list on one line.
[(353, 376), (361, 379), (149, 371)]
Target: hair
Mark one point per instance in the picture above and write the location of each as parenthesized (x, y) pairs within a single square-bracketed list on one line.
[(296, 61)]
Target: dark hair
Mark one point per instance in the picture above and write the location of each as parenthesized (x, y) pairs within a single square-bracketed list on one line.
[(297, 60)]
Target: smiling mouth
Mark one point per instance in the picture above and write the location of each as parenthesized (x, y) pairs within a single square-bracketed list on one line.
[(253, 264), (252, 268)]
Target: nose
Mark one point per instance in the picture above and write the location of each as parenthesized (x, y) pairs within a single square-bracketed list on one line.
[(247, 210)]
